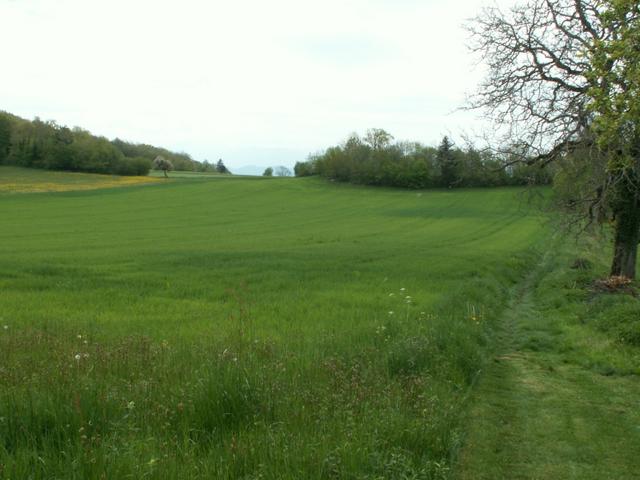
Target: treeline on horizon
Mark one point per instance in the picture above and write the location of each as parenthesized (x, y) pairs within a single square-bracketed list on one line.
[(48, 145), (376, 160)]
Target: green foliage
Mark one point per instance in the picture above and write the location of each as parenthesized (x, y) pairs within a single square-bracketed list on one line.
[(47, 145), (205, 166), (566, 76), (448, 163), (5, 137), (376, 161), (180, 161), (221, 168), (377, 138), (619, 316), (268, 172), (614, 94), (615, 83), (134, 166)]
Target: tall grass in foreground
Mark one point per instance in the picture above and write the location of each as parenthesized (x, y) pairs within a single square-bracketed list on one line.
[(386, 404)]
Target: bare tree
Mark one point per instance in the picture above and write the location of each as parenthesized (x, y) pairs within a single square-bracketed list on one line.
[(282, 171), (377, 138), (561, 83)]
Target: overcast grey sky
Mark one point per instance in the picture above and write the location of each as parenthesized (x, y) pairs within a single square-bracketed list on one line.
[(253, 82)]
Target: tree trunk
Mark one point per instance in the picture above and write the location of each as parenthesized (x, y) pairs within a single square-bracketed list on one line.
[(627, 235)]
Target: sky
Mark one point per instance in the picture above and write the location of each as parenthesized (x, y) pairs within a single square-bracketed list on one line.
[(249, 81)]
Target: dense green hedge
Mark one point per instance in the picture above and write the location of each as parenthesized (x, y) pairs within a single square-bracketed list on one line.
[(374, 160)]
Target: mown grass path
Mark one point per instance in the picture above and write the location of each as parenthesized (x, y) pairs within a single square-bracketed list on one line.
[(541, 413)]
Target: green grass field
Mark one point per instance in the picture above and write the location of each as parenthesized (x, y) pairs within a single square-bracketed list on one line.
[(251, 328)]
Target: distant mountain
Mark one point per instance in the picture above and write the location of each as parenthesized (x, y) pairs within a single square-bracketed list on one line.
[(248, 170)]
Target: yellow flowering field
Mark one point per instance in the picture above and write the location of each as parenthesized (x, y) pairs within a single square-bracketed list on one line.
[(24, 180)]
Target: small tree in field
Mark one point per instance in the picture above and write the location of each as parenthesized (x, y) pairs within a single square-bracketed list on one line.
[(161, 163), (268, 172)]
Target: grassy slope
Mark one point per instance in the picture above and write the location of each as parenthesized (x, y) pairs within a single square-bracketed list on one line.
[(560, 399), (231, 322)]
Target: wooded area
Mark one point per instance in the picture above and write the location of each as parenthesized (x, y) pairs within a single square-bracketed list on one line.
[(376, 160), (48, 145)]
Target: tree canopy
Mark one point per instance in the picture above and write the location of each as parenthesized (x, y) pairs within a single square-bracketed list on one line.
[(221, 168), (562, 86), (161, 163), (376, 160), (48, 145)]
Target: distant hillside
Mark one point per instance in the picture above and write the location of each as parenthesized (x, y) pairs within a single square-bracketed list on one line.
[(48, 145), (249, 170)]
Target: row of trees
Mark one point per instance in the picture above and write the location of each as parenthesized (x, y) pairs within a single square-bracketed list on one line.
[(166, 165), (376, 160), (180, 160), (48, 145)]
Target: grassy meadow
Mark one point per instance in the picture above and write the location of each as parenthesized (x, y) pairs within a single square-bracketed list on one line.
[(251, 328)]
